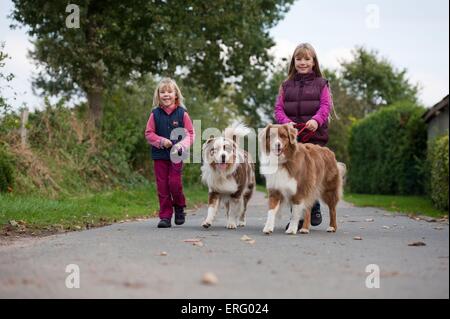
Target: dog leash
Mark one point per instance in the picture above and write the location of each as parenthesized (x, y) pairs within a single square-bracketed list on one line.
[(301, 127)]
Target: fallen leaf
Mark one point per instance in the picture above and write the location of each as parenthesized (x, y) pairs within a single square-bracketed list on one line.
[(210, 278), (134, 285), (13, 223), (192, 240), (357, 238), (163, 253), (198, 243), (245, 238), (370, 219), (438, 228), (386, 227), (251, 241), (417, 243)]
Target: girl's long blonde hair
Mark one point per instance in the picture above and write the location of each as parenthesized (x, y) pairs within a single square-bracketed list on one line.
[(303, 50), (171, 84)]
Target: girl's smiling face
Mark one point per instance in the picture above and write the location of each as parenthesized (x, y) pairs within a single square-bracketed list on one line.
[(304, 64), (167, 96)]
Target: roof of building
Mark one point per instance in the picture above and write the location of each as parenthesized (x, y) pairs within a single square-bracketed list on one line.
[(435, 109)]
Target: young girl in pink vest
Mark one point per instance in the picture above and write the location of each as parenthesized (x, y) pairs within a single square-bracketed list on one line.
[(163, 127), (304, 99)]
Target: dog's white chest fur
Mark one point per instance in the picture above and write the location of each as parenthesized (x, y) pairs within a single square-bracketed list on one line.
[(282, 181), (226, 186), (218, 182)]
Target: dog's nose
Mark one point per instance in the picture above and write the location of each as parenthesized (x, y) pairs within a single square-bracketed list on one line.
[(223, 158)]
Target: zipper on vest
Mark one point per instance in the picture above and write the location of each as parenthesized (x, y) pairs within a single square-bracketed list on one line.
[(300, 93)]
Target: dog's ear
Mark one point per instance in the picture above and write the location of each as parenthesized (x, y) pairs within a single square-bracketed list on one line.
[(262, 138), (235, 152), (209, 140), (292, 132), (206, 149), (208, 143)]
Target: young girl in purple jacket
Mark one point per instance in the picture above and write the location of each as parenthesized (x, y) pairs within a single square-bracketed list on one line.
[(304, 99)]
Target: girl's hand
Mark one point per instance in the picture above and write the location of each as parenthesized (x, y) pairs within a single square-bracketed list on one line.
[(312, 125), (177, 149), (167, 143)]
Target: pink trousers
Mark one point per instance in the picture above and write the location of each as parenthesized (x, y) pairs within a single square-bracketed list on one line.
[(169, 185)]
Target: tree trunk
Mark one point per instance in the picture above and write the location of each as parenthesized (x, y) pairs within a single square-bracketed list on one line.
[(23, 128), (95, 85), (95, 101)]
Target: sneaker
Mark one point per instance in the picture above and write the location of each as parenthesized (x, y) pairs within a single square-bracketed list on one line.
[(164, 223), (179, 215), (316, 215)]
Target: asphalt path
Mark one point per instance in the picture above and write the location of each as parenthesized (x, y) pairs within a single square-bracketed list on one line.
[(370, 256)]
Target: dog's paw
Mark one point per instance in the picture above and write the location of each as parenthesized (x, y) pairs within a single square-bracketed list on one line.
[(304, 231), (206, 224), (291, 231), (231, 226), (268, 230), (331, 229), (241, 224)]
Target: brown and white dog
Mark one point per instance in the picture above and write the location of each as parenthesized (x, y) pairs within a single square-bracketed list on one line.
[(229, 173), (298, 174)]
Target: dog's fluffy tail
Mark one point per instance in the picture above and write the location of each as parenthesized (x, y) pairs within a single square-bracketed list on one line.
[(236, 131), (342, 177)]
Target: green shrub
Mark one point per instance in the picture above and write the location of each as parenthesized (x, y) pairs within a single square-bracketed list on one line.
[(388, 151), (64, 151), (6, 171), (438, 164)]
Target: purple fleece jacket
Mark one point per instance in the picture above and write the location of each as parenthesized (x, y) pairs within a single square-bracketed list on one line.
[(321, 116)]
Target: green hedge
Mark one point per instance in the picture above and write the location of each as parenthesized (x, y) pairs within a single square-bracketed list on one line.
[(6, 171), (388, 151), (438, 163)]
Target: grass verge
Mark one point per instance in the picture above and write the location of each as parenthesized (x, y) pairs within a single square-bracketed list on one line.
[(261, 188), (34, 215), (416, 205)]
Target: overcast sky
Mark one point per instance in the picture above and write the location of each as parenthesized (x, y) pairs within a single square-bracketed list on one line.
[(412, 34)]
